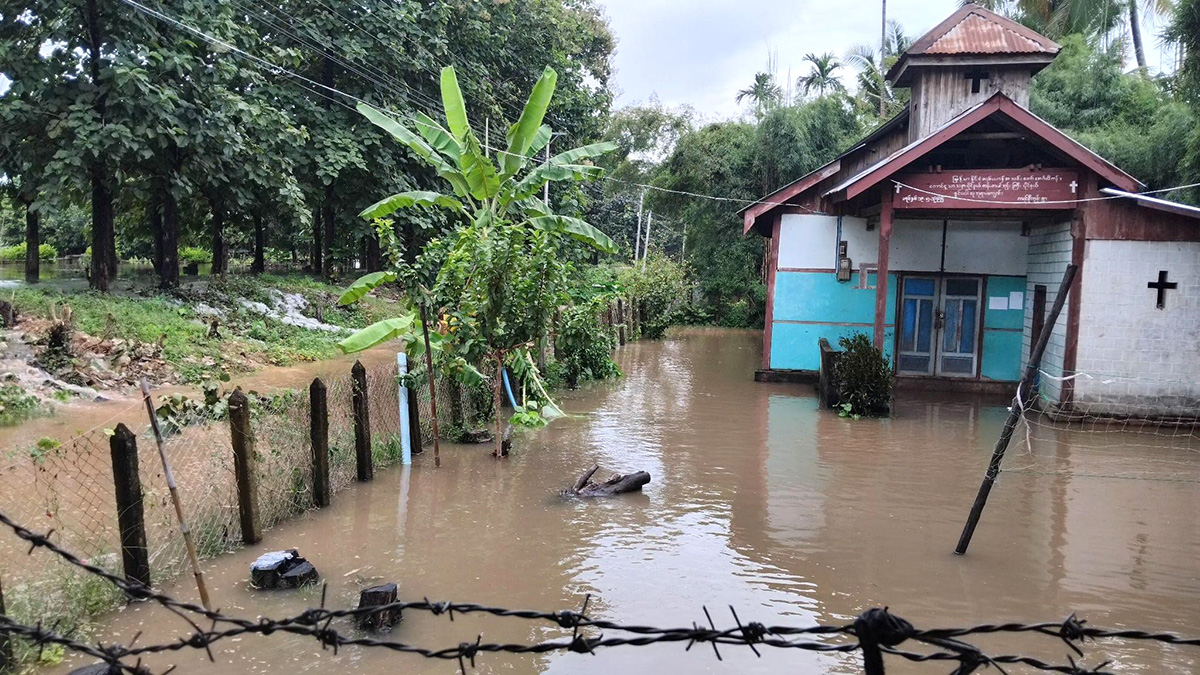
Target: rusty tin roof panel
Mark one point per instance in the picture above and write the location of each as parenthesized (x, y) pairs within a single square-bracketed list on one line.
[(977, 34)]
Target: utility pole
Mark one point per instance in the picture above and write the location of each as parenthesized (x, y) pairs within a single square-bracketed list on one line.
[(637, 240), (683, 244), (882, 56), (646, 248), (546, 192)]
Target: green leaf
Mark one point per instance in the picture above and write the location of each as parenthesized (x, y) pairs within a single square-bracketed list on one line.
[(577, 229), (540, 139), (404, 200), (479, 170), (377, 333), (522, 134), (415, 143), (452, 101), (552, 173), (365, 284), (439, 138)]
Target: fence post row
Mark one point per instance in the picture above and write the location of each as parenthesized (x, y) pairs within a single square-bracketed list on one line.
[(242, 438), (131, 518), (362, 422), (319, 435), (621, 321)]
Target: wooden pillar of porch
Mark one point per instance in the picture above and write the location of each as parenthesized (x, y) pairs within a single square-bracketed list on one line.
[(881, 275)]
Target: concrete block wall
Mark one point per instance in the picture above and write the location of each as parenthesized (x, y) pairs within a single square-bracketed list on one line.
[(1049, 255), (1143, 360)]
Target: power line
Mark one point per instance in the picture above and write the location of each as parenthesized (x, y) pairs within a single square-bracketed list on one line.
[(1059, 201)]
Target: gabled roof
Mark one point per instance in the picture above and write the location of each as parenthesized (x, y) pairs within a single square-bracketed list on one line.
[(975, 31), (1156, 203), (997, 103)]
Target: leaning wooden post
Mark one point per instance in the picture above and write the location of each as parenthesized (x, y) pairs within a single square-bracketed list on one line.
[(1015, 412), (362, 422), (131, 516), (242, 438), (183, 527), (437, 457), (621, 321), (318, 413), (8, 661), (414, 429)]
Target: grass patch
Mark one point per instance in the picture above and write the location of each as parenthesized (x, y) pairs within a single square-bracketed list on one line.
[(16, 405)]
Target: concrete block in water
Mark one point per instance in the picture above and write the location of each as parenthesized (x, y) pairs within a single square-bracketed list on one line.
[(375, 597), (282, 569)]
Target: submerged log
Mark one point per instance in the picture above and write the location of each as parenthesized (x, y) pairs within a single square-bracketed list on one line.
[(282, 569), (618, 484), (377, 596)]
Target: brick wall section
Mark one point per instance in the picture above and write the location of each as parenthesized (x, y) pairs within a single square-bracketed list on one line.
[(1146, 361), (1049, 255)]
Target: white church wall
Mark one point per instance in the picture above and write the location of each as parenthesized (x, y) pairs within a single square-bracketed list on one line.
[(1049, 253), (807, 242), (986, 247), (1141, 359)]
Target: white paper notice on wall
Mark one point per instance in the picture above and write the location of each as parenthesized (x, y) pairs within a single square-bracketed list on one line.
[(1016, 300), (998, 302)]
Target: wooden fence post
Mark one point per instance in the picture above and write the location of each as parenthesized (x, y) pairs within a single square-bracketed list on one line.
[(362, 422), (319, 435), (242, 438), (131, 518), (620, 321), (7, 661), (414, 425)]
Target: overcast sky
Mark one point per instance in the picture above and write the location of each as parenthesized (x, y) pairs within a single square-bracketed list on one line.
[(701, 52)]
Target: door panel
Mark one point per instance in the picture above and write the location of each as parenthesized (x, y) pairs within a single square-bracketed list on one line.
[(915, 355), (939, 326), (960, 307)]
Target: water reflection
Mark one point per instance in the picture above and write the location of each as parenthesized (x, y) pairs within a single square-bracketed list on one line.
[(759, 500)]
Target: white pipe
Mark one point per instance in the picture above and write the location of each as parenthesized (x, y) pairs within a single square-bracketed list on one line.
[(405, 422)]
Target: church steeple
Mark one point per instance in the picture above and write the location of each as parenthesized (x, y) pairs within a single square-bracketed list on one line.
[(964, 60)]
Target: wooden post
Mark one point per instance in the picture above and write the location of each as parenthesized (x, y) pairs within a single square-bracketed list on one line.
[(1039, 314), (437, 455), (131, 518), (1015, 412), (881, 273), (7, 660), (188, 543), (414, 428), (319, 437), (242, 437), (362, 422), (621, 321)]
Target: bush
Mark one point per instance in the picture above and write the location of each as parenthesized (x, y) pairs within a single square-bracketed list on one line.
[(584, 345), (194, 254), (17, 253), (863, 377), (658, 289)]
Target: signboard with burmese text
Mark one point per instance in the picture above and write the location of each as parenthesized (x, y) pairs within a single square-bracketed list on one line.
[(987, 189)]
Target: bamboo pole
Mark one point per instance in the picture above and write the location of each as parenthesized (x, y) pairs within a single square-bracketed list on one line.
[(437, 457), (183, 528), (1015, 412)]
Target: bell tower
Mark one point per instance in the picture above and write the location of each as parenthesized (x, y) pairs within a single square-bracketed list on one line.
[(963, 61)]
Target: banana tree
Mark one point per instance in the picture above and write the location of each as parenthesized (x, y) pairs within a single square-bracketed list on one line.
[(499, 275)]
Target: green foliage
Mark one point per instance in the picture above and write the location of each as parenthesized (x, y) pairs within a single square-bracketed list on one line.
[(17, 253), (528, 415), (16, 405), (583, 345), (194, 254), (863, 378), (658, 288), (45, 447)]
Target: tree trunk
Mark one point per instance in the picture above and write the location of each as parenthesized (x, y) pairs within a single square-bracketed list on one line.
[(327, 226), (374, 260), (260, 263), (220, 256), (168, 276), (33, 241), (318, 246), (1135, 35), (103, 237), (498, 451), (155, 223)]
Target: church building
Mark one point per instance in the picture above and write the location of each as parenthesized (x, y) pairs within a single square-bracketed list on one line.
[(945, 233)]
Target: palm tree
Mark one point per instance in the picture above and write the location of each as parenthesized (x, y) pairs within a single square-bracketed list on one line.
[(872, 81), (821, 77), (764, 93)]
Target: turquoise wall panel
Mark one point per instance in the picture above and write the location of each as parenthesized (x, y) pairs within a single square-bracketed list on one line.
[(794, 345), (1001, 355), (818, 296), (1004, 318)]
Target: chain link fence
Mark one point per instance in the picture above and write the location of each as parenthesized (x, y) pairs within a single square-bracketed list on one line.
[(69, 486)]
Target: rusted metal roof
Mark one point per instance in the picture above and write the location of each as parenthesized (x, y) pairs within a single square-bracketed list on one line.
[(975, 30), (979, 34)]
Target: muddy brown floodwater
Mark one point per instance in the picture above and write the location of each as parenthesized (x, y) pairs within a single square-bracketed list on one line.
[(759, 500)]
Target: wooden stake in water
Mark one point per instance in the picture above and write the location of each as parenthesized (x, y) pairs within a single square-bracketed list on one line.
[(1015, 412), (187, 534), (437, 457)]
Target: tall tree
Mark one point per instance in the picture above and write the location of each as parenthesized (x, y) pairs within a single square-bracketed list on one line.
[(764, 94), (822, 76)]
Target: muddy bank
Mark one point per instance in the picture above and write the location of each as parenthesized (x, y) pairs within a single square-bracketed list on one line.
[(760, 500)]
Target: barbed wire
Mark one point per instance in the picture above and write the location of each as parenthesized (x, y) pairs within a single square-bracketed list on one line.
[(876, 632)]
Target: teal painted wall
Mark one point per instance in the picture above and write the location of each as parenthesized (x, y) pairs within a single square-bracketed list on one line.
[(819, 298), (1002, 331)]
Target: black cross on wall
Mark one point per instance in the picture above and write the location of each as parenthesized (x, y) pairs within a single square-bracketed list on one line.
[(975, 76), (1162, 286)]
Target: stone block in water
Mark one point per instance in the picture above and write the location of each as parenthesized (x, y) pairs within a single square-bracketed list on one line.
[(282, 569), (374, 597)]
